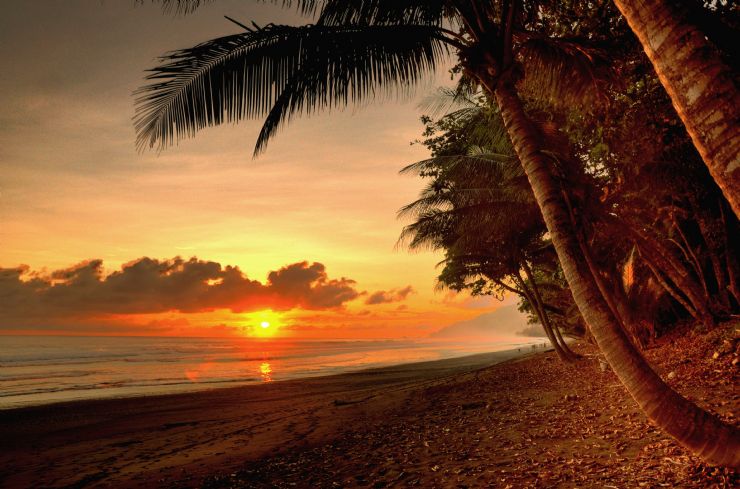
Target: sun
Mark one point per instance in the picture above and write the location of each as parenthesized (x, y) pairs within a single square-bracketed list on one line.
[(262, 324)]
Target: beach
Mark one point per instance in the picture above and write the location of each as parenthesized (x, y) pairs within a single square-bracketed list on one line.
[(506, 419), (53, 369)]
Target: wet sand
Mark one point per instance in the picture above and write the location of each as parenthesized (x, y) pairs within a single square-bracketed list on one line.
[(183, 438), (531, 421)]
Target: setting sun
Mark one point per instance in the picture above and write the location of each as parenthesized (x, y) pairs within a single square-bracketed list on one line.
[(262, 324)]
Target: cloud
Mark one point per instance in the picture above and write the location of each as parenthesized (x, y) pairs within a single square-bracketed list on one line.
[(308, 286), (393, 295), (147, 286)]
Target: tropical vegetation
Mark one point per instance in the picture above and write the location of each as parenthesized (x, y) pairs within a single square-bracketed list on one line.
[(611, 204)]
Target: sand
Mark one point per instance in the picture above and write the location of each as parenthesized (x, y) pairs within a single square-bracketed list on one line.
[(141, 441), (527, 422)]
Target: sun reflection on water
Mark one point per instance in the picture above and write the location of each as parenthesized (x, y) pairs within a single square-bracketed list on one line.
[(266, 372)]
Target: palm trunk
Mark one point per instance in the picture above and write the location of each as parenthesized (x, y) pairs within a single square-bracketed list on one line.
[(545, 324), (715, 251), (692, 258), (693, 427), (668, 287), (560, 338), (663, 259), (730, 255), (701, 86), (535, 292), (606, 293)]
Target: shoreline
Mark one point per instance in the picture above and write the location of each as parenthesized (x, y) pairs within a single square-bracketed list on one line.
[(451, 363), (136, 441), (529, 421), (130, 387)]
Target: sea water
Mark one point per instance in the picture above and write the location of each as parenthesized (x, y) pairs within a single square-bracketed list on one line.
[(45, 369)]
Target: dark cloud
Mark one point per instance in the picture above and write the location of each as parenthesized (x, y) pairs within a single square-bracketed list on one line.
[(309, 287), (393, 295), (149, 285)]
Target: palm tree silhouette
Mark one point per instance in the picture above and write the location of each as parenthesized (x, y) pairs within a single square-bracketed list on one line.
[(487, 231), (479, 208), (358, 49)]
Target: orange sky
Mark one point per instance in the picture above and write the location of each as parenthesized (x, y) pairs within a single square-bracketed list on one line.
[(75, 190)]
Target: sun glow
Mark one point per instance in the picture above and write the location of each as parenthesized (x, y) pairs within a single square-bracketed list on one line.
[(262, 324)]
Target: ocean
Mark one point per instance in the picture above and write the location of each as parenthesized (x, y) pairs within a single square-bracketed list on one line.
[(45, 369)]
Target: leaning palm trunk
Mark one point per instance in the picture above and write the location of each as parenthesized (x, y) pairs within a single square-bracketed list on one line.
[(701, 86), (562, 354), (618, 310), (698, 430), (667, 286), (544, 317), (730, 257), (677, 273)]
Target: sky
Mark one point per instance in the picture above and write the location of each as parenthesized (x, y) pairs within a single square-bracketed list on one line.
[(199, 239)]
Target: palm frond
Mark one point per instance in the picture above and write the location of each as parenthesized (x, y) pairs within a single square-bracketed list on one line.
[(446, 100), (471, 164), (178, 6), (370, 12), (563, 72), (280, 71)]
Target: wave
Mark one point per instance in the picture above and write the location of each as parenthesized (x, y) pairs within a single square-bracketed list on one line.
[(123, 385)]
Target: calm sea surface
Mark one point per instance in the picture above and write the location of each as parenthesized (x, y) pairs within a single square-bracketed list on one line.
[(45, 369)]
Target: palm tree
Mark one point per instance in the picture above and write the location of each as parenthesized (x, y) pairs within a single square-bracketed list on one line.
[(702, 87), (359, 47), (480, 210)]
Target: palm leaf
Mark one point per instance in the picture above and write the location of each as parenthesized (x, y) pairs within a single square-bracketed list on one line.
[(464, 100), (178, 6), (280, 71), (473, 164), (371, 12)]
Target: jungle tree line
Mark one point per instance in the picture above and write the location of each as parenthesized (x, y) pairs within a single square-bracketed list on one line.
[(513, 52)]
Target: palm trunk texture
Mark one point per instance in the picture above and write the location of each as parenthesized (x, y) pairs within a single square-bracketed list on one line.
[(699, 431), (701, 86)]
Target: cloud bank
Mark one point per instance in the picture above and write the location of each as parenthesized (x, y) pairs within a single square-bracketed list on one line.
[(385, 297), (147, 286)]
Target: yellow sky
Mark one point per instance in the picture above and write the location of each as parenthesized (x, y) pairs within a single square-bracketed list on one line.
[(74, 188)]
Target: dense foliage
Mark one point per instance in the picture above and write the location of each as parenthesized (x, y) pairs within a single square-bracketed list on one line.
[(660, 233)]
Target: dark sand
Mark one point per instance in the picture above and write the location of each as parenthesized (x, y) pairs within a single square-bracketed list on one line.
[(143, 441), (527, 422)]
